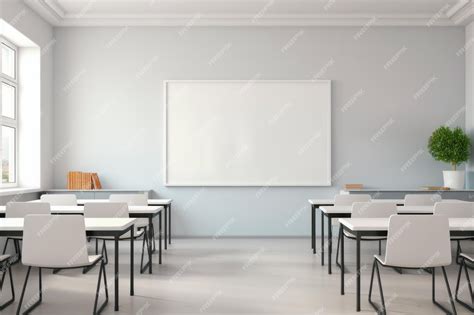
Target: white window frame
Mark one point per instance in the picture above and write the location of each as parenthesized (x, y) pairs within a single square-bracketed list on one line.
[(7, 121)]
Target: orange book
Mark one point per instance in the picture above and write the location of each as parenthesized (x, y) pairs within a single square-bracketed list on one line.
[(73, 180), (86, 181), (96, 182)]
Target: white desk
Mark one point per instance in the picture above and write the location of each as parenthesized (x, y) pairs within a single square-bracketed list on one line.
[(94, 227), (379, 227), (318, 203), (166, 203), (336, 212), (148, 212)]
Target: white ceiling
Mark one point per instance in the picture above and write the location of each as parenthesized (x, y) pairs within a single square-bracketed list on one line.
[(254, 12)]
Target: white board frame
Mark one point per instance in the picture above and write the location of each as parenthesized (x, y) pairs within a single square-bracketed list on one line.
[(326, 182)]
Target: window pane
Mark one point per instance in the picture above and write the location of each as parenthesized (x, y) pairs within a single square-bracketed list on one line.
[(8, 61), (8, 154), (8, 100)]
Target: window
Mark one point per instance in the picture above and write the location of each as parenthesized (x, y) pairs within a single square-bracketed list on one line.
[(8, 109)]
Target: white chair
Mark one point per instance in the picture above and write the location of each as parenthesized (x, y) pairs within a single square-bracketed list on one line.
[(130, 199), (116, 210), (60, 199), (372, 209), (21, 210), (57, 242), (415, 242), (454, 209), (5, 265), (470, 259), (421, 199), (136, 200), (348, 200)]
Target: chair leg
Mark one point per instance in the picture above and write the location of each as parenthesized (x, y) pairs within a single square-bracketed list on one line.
[(17, 250), (458, 251), (148, 248), (5, 246), (97, 293), (96, 246), (104, 252), (337, 248), (451, 300), (40, 294), (380, 247), (380, 311), (5, 267), (466, 305), (104, 256)]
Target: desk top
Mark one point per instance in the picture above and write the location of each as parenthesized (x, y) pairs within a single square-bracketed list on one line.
[(381, 224), (92, 224), (330, 202), (400, 209), (80, 209), (151, 202)]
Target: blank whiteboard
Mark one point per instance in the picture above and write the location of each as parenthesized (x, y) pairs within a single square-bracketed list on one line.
[(247, 133)]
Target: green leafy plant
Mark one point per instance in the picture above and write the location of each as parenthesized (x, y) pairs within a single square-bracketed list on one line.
[(450, 145)]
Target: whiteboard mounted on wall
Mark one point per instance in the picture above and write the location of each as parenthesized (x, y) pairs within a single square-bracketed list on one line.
[(247, 133)]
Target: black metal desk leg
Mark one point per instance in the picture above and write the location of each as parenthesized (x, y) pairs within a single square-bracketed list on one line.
[(151, 236), (358, 270), (329, 244), (166, 228), (313, 243), (116, 273), (169, 228), (159, 236), (342, 260), (322, 238), (132, 253)]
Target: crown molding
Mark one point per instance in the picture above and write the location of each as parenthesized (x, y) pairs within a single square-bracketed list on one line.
[(54, 14), (462, 13)]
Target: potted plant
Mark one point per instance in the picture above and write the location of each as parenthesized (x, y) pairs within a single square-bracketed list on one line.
[(451, 146)]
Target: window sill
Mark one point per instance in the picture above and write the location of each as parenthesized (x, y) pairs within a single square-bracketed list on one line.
[(9, 191)]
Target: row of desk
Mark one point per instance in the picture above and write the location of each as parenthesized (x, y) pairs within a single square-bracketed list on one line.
[(95, 227), (361, 227), (111, 227)]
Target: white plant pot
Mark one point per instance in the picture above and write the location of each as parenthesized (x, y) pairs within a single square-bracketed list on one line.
[(454, 179)]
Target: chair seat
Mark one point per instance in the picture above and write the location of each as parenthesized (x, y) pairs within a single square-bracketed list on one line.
[(137, 234), (4, 257), (365, 238), (467, 257), (93, 259)]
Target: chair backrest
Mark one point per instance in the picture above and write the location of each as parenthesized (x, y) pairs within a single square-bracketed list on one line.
[(418, 241), (22, 209), (373, 209), (106, 210), (54, 241), (348, 200), (60, 199), (421, 199), (130, 199), (454, 209)]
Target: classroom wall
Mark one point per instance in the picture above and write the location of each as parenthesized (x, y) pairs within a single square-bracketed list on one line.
[(28, 22), (391, 88), (468, 52)]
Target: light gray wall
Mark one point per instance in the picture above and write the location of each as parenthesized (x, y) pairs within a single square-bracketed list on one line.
[(468, 52), (109, 109), (25, 20)]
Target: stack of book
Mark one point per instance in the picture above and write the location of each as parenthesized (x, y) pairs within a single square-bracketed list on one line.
[(83, 181)]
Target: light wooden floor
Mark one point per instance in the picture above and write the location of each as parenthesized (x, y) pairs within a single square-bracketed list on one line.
[(239, 276)]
